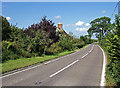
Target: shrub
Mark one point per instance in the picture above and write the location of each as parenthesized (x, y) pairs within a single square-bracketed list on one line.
[(53, 49), (8, 51)]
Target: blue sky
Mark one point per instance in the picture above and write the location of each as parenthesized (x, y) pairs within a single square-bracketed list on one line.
[(75, 16)]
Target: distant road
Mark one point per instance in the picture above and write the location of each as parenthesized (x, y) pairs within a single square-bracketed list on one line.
[(82, 68)]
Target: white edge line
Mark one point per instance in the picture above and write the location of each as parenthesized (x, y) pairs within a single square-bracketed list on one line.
[(64, 56), (20, 71), (63, 68), (102, 83), (47, 62), (38, 65)]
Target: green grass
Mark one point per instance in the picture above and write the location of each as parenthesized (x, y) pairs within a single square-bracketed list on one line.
[(23, 62)]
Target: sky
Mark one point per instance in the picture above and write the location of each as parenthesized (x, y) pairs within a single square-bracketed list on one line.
[(75, 16)]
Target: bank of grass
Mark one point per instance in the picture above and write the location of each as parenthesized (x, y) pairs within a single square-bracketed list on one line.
[(23, 62)]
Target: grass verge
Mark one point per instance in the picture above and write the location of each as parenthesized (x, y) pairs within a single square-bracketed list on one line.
[(23, 62)]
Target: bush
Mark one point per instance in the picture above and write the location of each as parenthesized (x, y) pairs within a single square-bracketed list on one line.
[(66, 43), (54, 49), (8, 51), (111, 43), (23, 53)]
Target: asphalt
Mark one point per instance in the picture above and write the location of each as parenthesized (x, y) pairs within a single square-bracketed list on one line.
[(82, 68)]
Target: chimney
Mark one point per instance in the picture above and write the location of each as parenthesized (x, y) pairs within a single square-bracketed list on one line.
[(60, 25)]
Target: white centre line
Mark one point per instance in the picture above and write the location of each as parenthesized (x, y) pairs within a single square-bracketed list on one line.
[(88, 52), (40, 64), (63, 56), (63, 68), (71, 64), (85, 55)]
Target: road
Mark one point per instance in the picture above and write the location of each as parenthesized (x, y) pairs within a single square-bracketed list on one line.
[(82, 68)]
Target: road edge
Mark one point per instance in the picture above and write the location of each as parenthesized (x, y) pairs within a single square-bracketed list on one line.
[(35, 65), (103, 81)]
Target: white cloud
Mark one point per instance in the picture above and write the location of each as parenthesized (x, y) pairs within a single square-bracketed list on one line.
[(81, 29), (57, 17), (69, 25), (79, 23), (87, 24), (104, 11), (8, 18)]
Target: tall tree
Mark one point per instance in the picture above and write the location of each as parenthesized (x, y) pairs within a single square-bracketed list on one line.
[(100, 27), (5, 28), (43, 26)]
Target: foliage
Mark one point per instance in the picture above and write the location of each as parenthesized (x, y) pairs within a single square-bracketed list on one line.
[(109, 39), (8, 50), (100, 27), (5, 28), (54, 49), (43, 26), (22, 62), (113, 51), (37, 40), (66, 42), (78, 43)]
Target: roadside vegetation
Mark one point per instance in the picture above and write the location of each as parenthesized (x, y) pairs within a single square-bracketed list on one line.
[(108, 35), (37, 43), (23, 62)]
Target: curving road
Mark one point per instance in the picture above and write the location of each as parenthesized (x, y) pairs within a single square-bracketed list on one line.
[(82, 68)]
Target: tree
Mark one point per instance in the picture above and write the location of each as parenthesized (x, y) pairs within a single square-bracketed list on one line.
[(111, 43), (5, 28), (43, 26), (100, 27), (117, 23), (85, 39), (66, 42)]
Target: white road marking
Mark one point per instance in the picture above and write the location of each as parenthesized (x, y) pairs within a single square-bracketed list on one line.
[(64, 56), (102, 83), (20, 71), (63, 68), (88, 52), (39, 65), (47, 62), (85, 55), (71, 63)]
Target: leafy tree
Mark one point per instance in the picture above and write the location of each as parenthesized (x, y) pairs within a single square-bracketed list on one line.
[(36, 40), (40, 43), (117, 27), (86, 39), (100, 27), (5, 28), (66, 42), (43, 26)]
